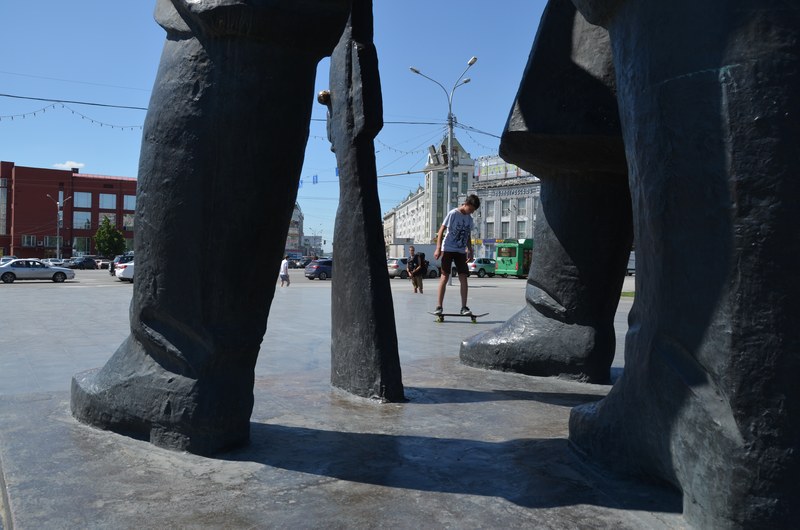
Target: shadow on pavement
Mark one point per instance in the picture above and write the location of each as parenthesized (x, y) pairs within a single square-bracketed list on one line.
[(533, 473)]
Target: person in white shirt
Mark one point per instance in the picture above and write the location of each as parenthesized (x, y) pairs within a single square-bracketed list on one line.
[(454, 246), (284, 274)]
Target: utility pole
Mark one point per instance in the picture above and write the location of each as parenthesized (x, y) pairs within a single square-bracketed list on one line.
[(59, 219)]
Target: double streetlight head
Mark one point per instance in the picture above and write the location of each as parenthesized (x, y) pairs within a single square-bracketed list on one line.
[(59, 203), (471, 61)]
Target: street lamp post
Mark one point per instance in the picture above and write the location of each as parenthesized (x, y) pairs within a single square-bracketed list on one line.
[(316, 233), (450, 118), (59, 216)]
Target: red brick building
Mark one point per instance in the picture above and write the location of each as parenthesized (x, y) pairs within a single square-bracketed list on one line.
[(33, 200)]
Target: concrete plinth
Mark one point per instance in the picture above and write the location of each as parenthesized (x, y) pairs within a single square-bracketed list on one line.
[(470, 449)]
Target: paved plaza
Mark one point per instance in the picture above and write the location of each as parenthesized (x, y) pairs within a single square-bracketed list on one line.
[(469, 449)]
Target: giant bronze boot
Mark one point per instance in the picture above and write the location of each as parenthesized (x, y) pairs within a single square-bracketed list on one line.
[(582, 235), (709, 399), (221, 157)]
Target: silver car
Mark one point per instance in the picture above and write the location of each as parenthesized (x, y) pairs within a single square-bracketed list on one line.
[(33, 269), (482, 267), (398, 267)]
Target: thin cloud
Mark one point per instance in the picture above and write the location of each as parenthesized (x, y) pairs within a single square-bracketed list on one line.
[(69, 164)]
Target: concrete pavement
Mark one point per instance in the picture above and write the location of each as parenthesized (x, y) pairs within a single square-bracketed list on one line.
[(470, 448)]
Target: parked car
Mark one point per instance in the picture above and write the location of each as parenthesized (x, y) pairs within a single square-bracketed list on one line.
[(103, 263), (124, 272), (482, 267), (398, 267), (33, 269), (6, 259), (82, 263), (122, 258), (53, 262), (320, 268)]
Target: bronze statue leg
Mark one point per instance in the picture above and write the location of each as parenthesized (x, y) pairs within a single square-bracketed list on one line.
[(221, 157), (708, 400), (566, 328), (564, 127)]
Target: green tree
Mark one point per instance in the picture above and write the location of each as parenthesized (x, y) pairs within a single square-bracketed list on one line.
[(108, 240)]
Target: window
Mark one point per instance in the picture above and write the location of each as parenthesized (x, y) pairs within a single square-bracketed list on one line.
[(507, 252), (112, 218), (3, 206), (108, 201), (127, 221), (521, 207), (489, 230), (504, 230), (80, 245), (521, 229), (82, 199), (129, 202), (489, 209), (505, 207), (82, 220), (28, 241), (129, 245), (464, 183), (51, 241)]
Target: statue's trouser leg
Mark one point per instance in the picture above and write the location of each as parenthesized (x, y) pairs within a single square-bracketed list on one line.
[(221, 157), (582, 241), (709, 399)]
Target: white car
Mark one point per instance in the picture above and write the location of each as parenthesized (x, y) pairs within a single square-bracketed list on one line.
[(124, 271), (33, 269)]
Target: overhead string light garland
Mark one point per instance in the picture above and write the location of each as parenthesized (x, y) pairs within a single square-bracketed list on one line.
[(10, 117), (58, 106), (390, 148), (385, 146)]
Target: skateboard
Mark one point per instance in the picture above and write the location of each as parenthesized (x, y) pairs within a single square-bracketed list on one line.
[(473, 317)]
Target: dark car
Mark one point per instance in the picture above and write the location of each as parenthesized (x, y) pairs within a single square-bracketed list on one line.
[(82, 263), (320, 268), (124, 258)]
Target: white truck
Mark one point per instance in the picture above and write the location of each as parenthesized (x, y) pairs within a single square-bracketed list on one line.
[(400, 251)]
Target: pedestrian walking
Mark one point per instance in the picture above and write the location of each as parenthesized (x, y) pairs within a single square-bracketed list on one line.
[(416, 269), (284, 274)]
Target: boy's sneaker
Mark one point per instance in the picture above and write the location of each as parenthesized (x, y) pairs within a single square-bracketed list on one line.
[(438, 311), (465, 311)]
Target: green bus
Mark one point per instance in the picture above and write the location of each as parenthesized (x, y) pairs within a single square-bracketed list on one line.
[(513, 257)]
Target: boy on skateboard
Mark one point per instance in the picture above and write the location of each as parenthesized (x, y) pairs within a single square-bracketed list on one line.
[(454, 246)]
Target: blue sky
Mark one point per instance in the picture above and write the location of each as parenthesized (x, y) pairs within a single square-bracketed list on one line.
[(107, 52)]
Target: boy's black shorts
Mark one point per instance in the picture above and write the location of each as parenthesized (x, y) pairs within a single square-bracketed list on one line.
[(460, 260)]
